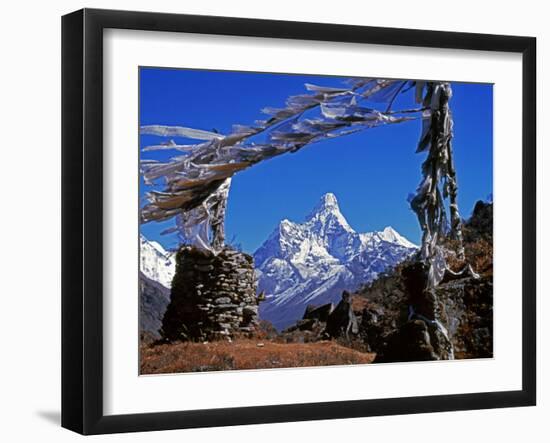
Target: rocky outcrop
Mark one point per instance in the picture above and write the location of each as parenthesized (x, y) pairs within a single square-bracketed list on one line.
[(384, 311), (319, 313), (404, 322), (213, 296), (312, 325), (327, 321), (467, 312)]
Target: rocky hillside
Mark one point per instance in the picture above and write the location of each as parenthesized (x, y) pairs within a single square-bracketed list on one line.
[(390, 322), (153, 301), (396, 318), (156, 271)]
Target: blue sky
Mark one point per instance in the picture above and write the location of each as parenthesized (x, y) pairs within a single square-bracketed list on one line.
[(371, 172)]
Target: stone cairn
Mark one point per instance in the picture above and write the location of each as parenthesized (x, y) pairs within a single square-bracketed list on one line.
[(213, 296)]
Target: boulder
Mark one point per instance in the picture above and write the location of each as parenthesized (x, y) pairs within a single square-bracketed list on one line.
[(467, 313), (302, 325), (411, 342), (342, 321), (320, 313)]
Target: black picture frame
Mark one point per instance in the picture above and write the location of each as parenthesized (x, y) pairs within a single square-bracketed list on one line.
[(82, 218)]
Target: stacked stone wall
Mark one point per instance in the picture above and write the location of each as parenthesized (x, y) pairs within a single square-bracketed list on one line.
[(213, 296)]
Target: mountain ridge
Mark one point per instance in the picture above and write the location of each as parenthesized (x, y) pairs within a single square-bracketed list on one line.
[(299, 263)]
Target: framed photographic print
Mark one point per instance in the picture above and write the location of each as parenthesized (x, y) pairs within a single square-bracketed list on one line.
[(270, 221)]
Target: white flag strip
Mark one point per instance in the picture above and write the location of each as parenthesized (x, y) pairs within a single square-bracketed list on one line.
[(179, 131)]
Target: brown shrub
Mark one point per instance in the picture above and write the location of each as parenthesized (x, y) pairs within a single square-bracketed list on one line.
[(479, 254)]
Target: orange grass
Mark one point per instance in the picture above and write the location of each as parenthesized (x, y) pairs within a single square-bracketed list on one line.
[(245, 354)]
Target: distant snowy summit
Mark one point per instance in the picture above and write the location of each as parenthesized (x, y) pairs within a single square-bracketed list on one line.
[(156, 263), (314, 261)]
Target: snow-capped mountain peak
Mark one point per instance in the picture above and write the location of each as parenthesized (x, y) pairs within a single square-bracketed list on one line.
[(328, 203), (156, 263), (391, 235), (313, 261), (327, 215)]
